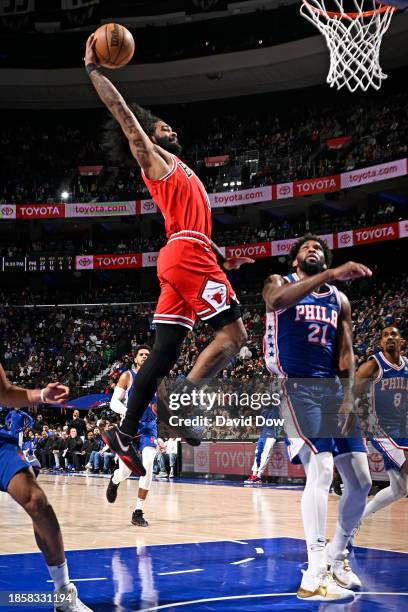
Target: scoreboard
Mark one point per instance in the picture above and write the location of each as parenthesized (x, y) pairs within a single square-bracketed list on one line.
[(38, 263)]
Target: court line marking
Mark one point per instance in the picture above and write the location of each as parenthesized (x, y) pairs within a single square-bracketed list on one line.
[(211, 599), (37, 552), (242, 561), (190, 571), (260, 551), (81, 579)]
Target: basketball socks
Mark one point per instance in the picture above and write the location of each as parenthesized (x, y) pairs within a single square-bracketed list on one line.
[(139, 504), (354, 471), (116, 479), (59, 574), (319, 470), (397, 489)]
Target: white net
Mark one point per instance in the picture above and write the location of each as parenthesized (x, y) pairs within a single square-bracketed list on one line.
[(353, 38)]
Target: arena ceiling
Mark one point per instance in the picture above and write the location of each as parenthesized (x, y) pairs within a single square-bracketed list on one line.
[(292, 65)]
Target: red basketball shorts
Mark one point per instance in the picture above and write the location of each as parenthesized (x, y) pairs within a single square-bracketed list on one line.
[(192, 283)]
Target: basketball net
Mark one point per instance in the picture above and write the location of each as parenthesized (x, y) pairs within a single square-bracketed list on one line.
[(353, 38)]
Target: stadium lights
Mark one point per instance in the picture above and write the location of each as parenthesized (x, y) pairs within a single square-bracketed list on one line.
[(64, 195)]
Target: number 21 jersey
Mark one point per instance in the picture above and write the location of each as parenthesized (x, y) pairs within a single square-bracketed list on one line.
[(301, 341)]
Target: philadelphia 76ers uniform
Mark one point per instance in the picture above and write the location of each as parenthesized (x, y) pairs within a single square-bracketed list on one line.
[(147, 429), (12, 459), (300, 347), (390, 404), (192, 283)]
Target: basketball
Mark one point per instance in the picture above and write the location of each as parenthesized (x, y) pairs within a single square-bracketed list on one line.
[(114, 45)]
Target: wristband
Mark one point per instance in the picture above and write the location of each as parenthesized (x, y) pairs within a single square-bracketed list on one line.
[(43, 399), (90, 68)]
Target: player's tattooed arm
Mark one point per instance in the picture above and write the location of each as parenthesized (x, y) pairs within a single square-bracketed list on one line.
[(154, 163)]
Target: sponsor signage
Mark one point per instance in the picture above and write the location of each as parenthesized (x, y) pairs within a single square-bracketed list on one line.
[(324, 184), (100, 209), (40, 211), (149, 259), (237, 198), (145, 207), (115, 260), (344, 239), (380, 172), (282, 191), (256, 250), (7, 211), (237, 458), (282, 247), (314, 185), (378, 233), (403, 229), (84, 262)]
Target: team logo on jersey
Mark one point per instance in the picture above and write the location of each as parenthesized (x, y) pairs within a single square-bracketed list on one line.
[(215, 294)]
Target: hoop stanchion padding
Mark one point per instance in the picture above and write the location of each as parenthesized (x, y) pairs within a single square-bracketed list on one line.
[(353, 38)]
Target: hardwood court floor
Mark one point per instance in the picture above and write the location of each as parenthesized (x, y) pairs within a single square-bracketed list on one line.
[(179, 512)]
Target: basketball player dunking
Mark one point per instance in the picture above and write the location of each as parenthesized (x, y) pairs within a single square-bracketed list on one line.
[(309, 336), (192, 283), (146, 437), (387, 375)]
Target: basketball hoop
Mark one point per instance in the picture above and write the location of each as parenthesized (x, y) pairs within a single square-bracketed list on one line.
[(353, 38)]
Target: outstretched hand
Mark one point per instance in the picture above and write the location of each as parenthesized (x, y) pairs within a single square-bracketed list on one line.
[(234, 263), (350, 271), (56, 393), (90, 55)]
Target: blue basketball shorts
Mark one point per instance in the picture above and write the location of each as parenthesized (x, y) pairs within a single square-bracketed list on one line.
[(12, 461)]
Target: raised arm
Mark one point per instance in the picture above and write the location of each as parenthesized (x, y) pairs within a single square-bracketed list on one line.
[(155, 162), (279, 295)]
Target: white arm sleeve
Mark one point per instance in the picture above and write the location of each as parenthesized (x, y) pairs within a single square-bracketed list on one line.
[(116, 402)]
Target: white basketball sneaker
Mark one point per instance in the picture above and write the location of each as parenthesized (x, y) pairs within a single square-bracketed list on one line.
[(344, 575), (67, 600), (322, 587), (342, 571)]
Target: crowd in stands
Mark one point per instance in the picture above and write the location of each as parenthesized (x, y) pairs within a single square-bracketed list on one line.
[(74, 443), (277, 142), (46, 344)]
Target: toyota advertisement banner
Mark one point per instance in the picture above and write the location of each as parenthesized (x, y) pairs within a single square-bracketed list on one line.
[(236, 458), (280, 191), (238, 198), (380, 172), (7, 211), (40, 211), (254, 250), (100, 209)]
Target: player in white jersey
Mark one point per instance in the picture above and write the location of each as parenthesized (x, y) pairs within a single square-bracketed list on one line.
[(385, 410), (146, 438)]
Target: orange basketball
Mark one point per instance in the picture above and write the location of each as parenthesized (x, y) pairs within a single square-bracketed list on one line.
[(114, 45)]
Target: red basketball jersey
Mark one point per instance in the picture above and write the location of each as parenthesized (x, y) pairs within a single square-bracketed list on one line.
[(182, 200)]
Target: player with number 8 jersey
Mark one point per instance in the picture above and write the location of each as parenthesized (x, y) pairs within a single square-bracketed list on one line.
[(308, 343)]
